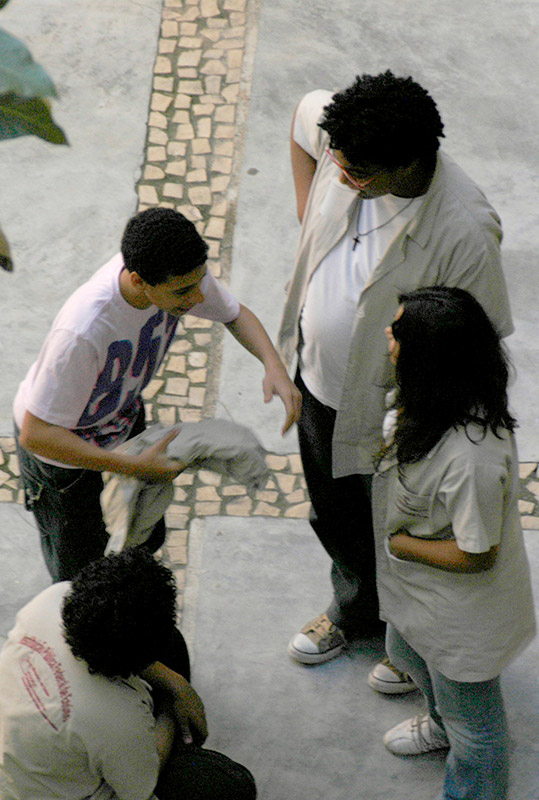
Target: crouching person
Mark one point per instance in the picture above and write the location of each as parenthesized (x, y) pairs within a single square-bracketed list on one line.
[(95, 700)]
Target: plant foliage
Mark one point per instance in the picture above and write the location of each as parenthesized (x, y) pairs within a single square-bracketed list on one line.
[(20, 116), (23, 87)]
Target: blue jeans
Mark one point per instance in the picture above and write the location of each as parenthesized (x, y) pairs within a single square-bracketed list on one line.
[(473, 717), (66, 506)]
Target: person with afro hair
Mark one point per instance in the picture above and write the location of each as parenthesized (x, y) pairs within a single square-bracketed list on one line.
[(83, 395), (383, 210), (95, 699)]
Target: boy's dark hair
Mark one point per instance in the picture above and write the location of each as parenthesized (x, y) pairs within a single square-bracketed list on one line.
[(120, 612), (451, 370), (161, 243), (383, 120)]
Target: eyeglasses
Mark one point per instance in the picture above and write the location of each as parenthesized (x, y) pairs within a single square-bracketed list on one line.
[(353, 181)]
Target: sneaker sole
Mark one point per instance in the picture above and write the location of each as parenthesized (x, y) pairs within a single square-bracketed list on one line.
[(390, 687), (313, 658)]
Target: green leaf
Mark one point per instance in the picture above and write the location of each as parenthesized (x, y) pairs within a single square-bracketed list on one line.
[(19, 73), (3, 3), (20, 116)]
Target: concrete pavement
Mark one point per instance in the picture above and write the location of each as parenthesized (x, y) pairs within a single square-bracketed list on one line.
[(190, 105)]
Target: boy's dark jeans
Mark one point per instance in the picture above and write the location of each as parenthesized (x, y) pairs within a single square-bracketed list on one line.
[(66, 506)]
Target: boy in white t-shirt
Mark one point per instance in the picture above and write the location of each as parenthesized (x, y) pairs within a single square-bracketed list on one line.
[(83, 394)]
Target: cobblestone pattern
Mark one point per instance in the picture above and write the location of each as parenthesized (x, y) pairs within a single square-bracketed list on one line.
[(204, 493), (192, 157)]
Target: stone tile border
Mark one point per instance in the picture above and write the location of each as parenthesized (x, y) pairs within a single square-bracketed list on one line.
[(192, 159), (197, 113), (204, 493)]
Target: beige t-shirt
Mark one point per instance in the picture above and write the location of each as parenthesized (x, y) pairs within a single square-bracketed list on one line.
[(467, 626), (65, 733)]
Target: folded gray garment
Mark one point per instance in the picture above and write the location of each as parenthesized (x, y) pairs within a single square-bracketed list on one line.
[(132, 507)]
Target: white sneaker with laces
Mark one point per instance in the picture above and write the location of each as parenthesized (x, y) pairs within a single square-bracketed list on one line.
[(415, 736)]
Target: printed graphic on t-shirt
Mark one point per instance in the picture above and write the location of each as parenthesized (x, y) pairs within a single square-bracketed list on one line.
[(116, 394), (115, 431), (44, 680)]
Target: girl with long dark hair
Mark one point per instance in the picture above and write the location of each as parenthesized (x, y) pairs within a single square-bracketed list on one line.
[(453, 578)]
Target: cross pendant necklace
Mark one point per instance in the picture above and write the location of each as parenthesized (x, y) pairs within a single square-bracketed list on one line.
[(357, 238)]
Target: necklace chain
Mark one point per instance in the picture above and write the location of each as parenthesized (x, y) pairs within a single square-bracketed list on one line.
[(357, 238)]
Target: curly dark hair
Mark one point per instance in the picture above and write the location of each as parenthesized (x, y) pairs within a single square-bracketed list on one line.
[(383, 120), (161, 243), (120, 611), (452, 370)]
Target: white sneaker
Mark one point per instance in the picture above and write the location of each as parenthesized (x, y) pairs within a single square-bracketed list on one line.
[(387, 679), (415, 736)]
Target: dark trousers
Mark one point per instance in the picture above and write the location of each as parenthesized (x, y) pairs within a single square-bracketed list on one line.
[(342, 519), (192, 772), (67, 509)]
